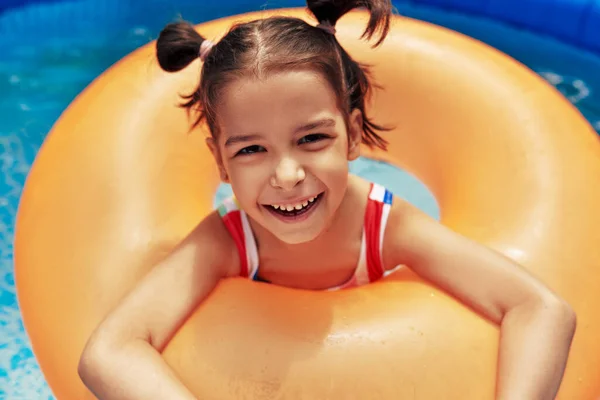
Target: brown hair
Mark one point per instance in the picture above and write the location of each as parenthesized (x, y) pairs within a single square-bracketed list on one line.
[(276, 44)]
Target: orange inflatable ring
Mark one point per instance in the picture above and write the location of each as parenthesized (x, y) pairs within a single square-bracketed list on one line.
[(120, 180)]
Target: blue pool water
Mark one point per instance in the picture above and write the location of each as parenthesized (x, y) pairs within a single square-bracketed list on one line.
[(41, 74)]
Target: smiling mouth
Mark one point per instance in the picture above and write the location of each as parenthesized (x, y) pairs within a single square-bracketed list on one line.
[(294, 210)]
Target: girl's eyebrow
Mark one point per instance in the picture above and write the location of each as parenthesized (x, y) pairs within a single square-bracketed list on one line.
[(241, 139), (321, 123)]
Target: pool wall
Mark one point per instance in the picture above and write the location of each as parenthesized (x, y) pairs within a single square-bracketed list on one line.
[(26, 20), (576, 22), (573, 21)]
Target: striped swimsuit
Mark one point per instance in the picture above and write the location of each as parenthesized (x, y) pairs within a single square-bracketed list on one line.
[(370, 265)]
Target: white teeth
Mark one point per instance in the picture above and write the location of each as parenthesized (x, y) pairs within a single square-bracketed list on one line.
[(291, 207)]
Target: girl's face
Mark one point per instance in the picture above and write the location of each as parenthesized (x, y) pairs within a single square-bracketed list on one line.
[(284, 147)]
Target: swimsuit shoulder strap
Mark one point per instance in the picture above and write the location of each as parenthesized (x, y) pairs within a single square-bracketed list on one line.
[(236, 222), (370, 267)]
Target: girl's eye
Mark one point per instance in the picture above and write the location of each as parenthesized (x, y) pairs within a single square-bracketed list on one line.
[(313, 137), (250, 150)]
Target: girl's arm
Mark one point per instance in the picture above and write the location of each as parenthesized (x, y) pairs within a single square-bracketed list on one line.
[(122, 358), (536, 326)]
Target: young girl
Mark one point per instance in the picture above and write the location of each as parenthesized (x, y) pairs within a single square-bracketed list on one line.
[(285, 105)]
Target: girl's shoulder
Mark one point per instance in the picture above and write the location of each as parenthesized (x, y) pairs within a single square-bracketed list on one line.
[(212, 233)]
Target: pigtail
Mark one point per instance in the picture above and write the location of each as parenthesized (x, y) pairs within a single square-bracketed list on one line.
[(357, 83), (331, 11), (358, 89), (177, 46)]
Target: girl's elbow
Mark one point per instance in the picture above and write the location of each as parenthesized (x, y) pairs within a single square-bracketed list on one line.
[(562, 311), (569, 316), (92, 359), (96, 355)]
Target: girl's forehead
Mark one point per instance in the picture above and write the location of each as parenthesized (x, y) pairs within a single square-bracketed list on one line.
[(288, 84), (283, 99)]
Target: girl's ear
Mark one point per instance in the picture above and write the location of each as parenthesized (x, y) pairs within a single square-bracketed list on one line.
[(214, 149), (355, 132)]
